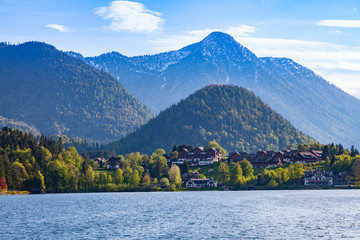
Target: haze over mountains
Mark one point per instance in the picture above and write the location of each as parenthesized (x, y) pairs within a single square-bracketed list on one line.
[(232, 116), (310, 103), (46, 90)]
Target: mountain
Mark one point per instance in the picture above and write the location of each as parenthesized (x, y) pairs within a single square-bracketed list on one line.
[(59, 94), (19, 125), (309, 102), (230, 115)]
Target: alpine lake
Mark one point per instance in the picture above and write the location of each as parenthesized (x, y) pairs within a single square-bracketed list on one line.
[(282, 214)]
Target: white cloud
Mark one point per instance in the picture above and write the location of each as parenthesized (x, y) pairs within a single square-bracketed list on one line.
[(335, 32), (60, 28), (240, 31), (130, 16), (340, 23), (174, 42)]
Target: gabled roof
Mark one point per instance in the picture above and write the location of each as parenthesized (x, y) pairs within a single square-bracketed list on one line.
[(113, 161)]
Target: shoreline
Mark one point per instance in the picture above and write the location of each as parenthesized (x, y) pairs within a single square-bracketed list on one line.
[(188, 190), (14, 193)]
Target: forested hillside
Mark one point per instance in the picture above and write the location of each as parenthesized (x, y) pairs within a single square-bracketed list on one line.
[(59, 94), (27, 164), (232, 116), (308, 101)]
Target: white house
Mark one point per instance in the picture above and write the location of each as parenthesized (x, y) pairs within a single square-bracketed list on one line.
[(201, 183), (318, 178)]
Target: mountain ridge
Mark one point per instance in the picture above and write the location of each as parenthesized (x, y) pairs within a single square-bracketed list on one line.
[(308, 101), (60, 94)]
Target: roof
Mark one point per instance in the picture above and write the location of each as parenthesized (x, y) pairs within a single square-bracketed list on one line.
[(201, 180), (190, 175), (113, 161)]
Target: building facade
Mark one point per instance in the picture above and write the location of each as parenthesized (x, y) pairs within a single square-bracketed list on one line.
[(318, 178), (199, 156)]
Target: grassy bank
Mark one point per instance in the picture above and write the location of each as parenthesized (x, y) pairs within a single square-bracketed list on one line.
[(14, 193)]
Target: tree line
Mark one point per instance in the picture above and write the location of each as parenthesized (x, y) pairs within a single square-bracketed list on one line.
[(26, 163)]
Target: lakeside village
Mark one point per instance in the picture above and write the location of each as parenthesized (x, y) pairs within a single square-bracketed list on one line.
[(202, 157), (31, 165)]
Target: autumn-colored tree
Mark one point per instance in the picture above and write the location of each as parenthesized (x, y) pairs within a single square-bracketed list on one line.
[(146, 180), (3, 185)]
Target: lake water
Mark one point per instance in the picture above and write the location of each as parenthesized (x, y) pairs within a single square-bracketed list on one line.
[(301, 214)]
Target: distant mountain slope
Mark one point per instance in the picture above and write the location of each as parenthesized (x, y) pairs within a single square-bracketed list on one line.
[(18, 125), (59, 94), (230, 115), (310, 103)]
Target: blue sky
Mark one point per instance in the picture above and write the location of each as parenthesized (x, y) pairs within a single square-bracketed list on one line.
[(322, 35)]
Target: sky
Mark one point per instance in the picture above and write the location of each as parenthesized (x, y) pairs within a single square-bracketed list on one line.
[(323, 35)]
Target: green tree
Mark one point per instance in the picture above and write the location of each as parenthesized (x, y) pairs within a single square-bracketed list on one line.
[(224, 172), (119, 177), (213, 144), (247, 169), (236, 174), (327, 161), (282, 176), (89, 174), (109, 179), (103, 179), (18, 175), (174, 155), (326, 152), (155, 181), (135, 178), (160, 167), (128, 171), (342, 163), (42, 180), (272, 184), (159, 152), (355, 169), (353, 151), (164, 182), (175, 175)]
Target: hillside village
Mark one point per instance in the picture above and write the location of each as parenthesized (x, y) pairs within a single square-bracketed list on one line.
[(201, 157)]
